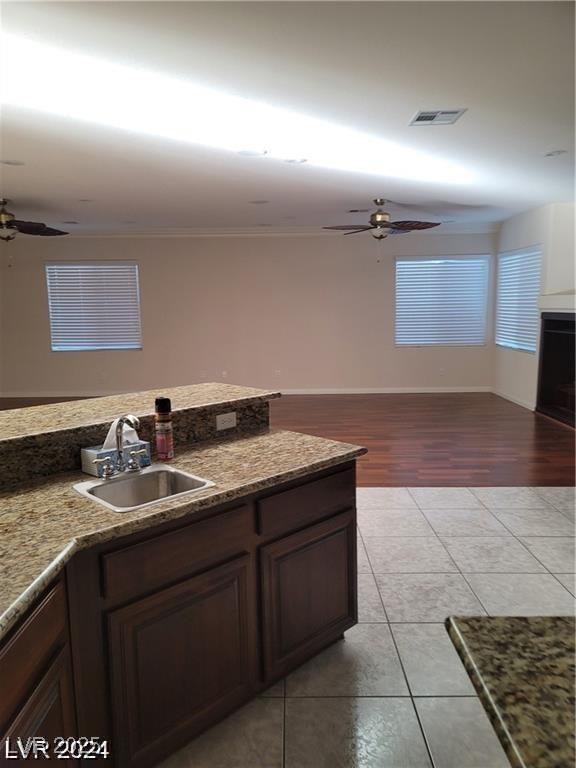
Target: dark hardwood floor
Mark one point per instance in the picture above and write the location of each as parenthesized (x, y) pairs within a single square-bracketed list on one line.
[(439, 439), (430, 440)]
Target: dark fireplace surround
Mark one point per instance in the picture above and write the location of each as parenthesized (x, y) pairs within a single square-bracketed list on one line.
[(556, 369)]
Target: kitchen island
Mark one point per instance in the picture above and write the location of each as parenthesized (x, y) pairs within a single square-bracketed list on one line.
[(145, 628)]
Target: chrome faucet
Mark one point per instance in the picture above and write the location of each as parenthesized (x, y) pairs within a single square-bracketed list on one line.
[(134, 422)]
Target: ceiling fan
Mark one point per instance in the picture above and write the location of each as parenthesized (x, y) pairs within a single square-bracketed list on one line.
[(10, 225), (381, 225)]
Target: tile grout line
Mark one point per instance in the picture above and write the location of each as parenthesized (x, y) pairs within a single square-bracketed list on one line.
[(435, 535), (459, 571), (565, 514), (513, 535), (388, 695), (563, 585), (548, 570), (455, 563), (395, 644)]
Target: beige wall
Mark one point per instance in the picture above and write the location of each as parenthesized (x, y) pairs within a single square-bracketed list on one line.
[(559, 281), (552, 229), (296, 313)]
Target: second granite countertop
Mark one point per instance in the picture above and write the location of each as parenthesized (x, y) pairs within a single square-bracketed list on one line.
[(42, 524), (523, 670)]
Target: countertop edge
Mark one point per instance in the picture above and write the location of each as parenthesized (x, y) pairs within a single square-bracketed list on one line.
[(240, 400), (10, 617), (484, 694)]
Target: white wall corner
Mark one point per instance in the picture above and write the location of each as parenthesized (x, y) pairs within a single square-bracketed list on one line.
[(523, 403)]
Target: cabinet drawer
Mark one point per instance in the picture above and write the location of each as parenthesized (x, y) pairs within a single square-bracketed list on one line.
[(24, 657), (172, 556), (307, 503)]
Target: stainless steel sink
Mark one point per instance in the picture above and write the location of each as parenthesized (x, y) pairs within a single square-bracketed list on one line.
[(127, 492)]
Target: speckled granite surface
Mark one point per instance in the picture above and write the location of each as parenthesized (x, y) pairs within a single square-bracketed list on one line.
[(40, 419), (43, 523), (523, 670), (42, 440)]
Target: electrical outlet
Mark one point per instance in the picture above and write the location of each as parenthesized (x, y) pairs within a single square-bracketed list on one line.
[(226, 420)]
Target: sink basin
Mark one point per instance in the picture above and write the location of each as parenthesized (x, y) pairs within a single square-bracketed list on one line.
[(130, 491)]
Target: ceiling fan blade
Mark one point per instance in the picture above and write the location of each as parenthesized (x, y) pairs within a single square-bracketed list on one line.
[(357, 231), (408, 226), (27, 227), (348, 226), (51, 232), (35, 228)]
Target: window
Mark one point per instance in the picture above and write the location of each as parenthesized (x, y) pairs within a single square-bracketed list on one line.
[(517, 300), (441, 301), (94, 306)]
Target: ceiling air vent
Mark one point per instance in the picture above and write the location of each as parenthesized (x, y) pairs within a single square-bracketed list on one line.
[(437, 117)]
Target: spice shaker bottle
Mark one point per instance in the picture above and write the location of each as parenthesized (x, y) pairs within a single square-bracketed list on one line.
[(163, 429)]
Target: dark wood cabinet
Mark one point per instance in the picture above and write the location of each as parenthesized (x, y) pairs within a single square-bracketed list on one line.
[(299, 506), (181, 659), (49, 709), (173, 627), (37, 697), (163, 559), (308, 592)]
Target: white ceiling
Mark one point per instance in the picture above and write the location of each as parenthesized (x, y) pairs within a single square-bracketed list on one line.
[(368, 66)]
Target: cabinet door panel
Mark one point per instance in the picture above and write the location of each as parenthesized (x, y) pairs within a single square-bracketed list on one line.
[(26, 654), (49, 710), (180, 659), (309, 591)]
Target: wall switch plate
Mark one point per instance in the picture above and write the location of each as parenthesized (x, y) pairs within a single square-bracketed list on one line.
[(226, 420)]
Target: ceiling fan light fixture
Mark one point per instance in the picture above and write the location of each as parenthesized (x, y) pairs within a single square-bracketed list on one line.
[(380, 225), (5, 216), (10, 225), (7, 232)]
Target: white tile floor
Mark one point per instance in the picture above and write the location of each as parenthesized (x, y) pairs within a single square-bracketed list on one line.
[(394, 693)]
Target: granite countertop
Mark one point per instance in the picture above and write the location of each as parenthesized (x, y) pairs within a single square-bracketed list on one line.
[(523, 670), (40, 419), (43, 523)]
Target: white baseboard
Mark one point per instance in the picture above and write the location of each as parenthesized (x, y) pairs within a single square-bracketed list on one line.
[(523, 403), (382, 390)]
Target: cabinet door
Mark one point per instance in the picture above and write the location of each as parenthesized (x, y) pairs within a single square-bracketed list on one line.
[(309, 592), (49, 709), (180, 660)]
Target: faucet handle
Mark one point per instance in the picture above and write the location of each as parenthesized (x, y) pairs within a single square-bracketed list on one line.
[(133, 464), (107, 466)]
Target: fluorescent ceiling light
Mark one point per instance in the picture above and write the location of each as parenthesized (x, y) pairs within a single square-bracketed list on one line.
[(40, 77)]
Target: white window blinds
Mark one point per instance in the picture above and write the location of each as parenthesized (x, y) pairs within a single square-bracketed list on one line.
[(441, 301), (518, 291), (94, 305)]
